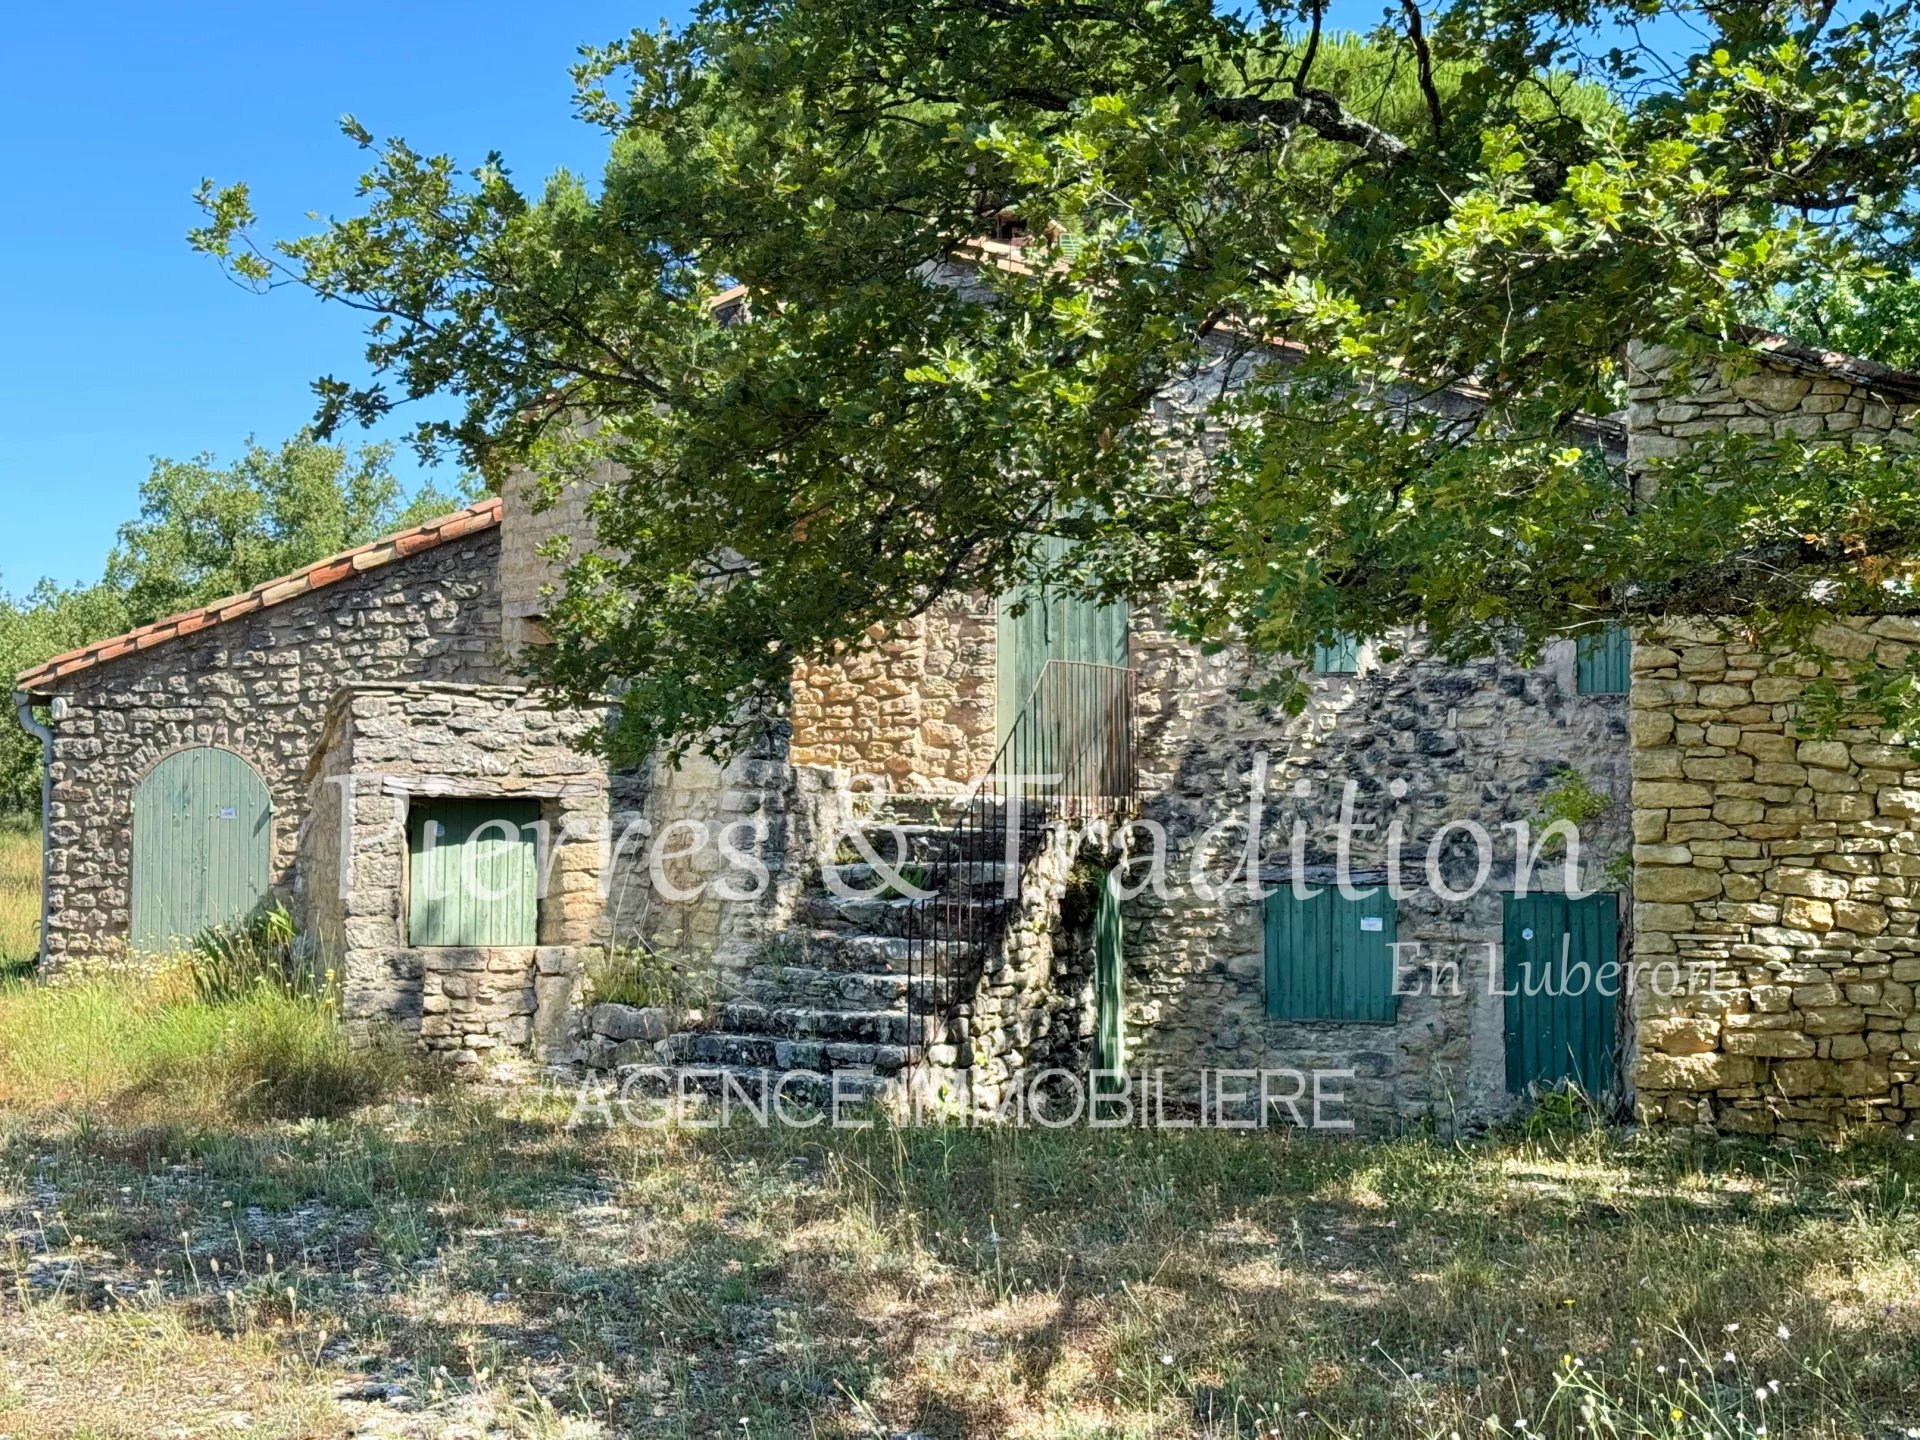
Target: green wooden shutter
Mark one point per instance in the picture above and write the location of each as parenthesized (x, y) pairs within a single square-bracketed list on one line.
[(1051, 627), (473, 872), (1331, 958), (202, 846), (1603, 661), (1559, 1026), (1341, 656), (1109, 1029)]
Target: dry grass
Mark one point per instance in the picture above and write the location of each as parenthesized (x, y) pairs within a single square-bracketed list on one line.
[(469, 1263), (19, 891)]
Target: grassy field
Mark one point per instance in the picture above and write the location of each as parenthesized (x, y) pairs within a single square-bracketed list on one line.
[(186, 1255), (19, 890)]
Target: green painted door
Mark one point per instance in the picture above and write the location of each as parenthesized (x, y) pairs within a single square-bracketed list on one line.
[(1051, 627), (1109, 958), (1562, 990), (202, 846), (1331, 958), (473, 872)]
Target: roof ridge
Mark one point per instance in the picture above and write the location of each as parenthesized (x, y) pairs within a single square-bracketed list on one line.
[(468, 520)]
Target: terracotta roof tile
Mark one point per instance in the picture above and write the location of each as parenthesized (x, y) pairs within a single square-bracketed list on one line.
[(317, 576)]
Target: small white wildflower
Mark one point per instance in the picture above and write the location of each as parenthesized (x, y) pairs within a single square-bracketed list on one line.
[(1774, 1386), (1760, 1392), (1166, 1359), (1783, 1332), (1727, 1359), (1735, 1325)]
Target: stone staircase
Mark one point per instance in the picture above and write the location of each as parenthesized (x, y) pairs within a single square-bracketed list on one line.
[(824, 1008)]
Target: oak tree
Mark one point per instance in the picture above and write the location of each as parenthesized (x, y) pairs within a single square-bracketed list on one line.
[(787, 311)]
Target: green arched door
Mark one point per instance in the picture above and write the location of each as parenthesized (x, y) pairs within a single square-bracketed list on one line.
[(202, 845)]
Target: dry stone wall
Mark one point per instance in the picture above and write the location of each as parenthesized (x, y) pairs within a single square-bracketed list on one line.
[(260, 686), (713, 854), (914, 706), (1770, 394), (1777, 890), (387, 747), (1424, 744), (1028, 1014), (527, 572)]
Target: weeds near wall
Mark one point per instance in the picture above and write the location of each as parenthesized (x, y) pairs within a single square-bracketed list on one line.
[(19, 893), (128, 1047), (231, 962), (638, 975), (1574, 801)]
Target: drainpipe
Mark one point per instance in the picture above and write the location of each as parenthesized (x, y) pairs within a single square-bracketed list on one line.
[(23, 706)]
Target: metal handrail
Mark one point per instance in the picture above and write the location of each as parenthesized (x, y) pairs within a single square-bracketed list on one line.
[(1067, 755)]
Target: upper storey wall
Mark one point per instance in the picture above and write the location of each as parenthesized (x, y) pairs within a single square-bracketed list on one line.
[(526, 574)]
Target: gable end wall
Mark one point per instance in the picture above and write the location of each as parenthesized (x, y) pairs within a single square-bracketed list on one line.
[(260, 686)]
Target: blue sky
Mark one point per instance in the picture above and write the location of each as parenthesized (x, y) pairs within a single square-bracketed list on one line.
[(124, 344)]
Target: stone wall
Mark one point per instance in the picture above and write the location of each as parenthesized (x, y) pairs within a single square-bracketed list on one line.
[(258, 685), (1029, 1011), (1424, 743), (1777, 887), (678, 907), (526, 572), (1776, 393), (707, 912), (914, 706), (385, 748)]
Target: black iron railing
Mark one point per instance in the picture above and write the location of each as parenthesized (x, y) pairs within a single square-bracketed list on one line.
[(1067, 756)]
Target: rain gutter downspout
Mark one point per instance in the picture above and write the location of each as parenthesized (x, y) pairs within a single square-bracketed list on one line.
[(23, 707)]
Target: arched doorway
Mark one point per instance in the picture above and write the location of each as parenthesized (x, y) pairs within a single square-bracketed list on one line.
[(202, 845)]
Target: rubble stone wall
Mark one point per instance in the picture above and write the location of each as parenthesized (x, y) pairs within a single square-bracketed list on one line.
[(753, 827), (1483, 742), (258, 685), (1029, 1011), (1671, 409), (526, 571), (1777, 890), (387, 747)]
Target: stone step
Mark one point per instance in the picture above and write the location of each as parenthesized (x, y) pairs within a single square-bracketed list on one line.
[(926, 843), (831, 914), (868, 954), (986, 878), (749, 1085), (774, 1052), (806, 1022), (929, 810), (826, 989)]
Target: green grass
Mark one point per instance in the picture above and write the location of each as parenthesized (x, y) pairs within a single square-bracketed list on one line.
[(19, 891), (125, 1049), (478, 1265)]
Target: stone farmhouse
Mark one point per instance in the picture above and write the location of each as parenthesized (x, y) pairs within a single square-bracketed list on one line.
[(353, 739)]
